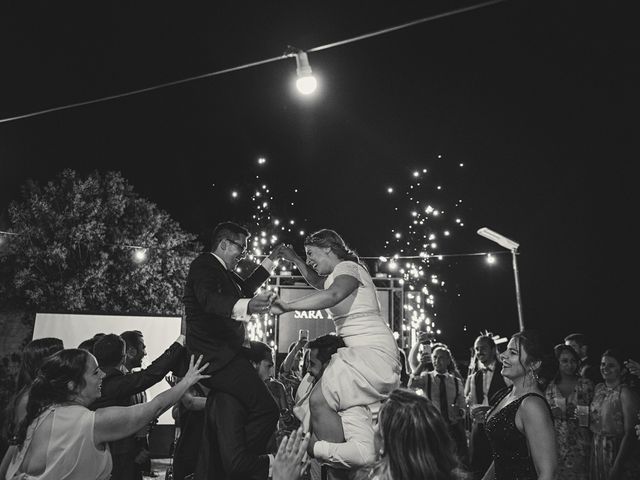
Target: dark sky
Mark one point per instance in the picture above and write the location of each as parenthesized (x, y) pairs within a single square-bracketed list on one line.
[(537, 99)]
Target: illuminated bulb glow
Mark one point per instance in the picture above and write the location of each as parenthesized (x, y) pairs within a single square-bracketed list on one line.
[(306, 82)]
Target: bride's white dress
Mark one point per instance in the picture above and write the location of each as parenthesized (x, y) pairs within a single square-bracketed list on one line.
[(368, 368)]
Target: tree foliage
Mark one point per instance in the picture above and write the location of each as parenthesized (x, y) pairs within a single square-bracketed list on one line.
[(73, 252)]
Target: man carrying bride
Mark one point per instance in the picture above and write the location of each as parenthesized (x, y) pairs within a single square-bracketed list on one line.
[(368, 368)]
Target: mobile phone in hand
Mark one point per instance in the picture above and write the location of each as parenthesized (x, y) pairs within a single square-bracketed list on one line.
[(303, 334)]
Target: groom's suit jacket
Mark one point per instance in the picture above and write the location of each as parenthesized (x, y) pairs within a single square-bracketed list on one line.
[(210, 293)]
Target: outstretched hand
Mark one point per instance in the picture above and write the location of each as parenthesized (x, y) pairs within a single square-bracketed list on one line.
[(261, 302), (194, 374), (633, 367), (291, 460), (278, 307), (284, 251), (172, 379)]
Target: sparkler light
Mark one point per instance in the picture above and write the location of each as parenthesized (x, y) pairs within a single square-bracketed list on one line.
[(421, 230)]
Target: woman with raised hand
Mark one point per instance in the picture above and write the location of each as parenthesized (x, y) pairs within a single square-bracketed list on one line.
[(368, 369), (61, 438)]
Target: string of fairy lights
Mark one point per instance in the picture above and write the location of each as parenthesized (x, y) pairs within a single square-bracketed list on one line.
[(410, 254), (306, 82)]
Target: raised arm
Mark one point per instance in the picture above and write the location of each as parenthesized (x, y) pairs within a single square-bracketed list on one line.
[(309, 274), (537, 426), (124, 386), (114, 423), (290, 359), (340, 289)]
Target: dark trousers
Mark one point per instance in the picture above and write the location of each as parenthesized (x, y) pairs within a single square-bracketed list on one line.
[(479, 451), (125, 467), (240, 380), (459, 437)]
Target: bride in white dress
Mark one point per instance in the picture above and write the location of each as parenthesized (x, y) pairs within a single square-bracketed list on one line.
[(368, 368)]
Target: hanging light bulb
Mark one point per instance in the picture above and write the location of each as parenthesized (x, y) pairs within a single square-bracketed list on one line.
[(306, 82), (139, 255)]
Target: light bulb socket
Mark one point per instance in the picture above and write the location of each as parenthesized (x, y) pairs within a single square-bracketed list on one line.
[(303, 69)]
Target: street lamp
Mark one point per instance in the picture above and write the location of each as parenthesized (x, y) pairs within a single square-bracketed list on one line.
[(513, 246)]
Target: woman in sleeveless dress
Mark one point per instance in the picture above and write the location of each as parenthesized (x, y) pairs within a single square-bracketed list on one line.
[(614, 412), (566, 393), (368, 368), (520, 424), (33, 354), (60, 438)]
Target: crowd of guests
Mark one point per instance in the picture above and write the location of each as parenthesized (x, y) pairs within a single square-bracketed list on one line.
[(523, 413), (532, 413)]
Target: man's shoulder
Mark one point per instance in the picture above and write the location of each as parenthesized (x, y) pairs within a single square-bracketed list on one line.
[(203, 258), (110, 373)]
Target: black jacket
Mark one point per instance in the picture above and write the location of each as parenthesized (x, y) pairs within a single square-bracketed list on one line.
[(210, 293), (119, 388)]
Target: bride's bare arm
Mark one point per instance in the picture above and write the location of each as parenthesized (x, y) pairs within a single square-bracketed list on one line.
[(340, 289)]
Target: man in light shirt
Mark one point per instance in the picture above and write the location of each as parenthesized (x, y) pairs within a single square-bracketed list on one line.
[(446, 392)]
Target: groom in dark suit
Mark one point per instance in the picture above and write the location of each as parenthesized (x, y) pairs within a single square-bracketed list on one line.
[(217, 303)]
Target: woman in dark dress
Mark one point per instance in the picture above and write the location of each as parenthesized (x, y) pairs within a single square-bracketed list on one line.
[(520, 425)]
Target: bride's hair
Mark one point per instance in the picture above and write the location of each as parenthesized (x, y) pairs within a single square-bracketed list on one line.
[(331, 239)]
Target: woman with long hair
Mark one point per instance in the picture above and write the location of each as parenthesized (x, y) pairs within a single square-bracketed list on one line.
[(566, 393), (33, 354), (368, 369), (614, 412), (520, 424), (412, 442), (61, 438)]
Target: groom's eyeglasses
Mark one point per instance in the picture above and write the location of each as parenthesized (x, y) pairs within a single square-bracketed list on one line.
[(243, 248)]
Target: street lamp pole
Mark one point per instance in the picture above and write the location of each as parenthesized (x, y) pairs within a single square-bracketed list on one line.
[(513, 247)]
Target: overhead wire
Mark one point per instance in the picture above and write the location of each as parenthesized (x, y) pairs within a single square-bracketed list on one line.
[(252, 64)]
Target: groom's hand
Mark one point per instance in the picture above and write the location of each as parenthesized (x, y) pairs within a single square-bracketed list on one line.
[(261, 303), (277, 252), (277, 308)]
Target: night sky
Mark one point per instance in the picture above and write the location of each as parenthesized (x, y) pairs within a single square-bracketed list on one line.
[(537, 100)]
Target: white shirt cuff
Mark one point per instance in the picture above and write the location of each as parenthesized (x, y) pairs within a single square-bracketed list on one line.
[(268, 264), (239, 312)]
